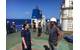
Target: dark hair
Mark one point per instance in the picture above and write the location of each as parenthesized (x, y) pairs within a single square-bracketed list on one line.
[(24, 25)]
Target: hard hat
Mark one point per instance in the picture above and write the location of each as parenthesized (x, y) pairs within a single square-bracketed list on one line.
[(53, 19), (47, 20), (13, 22), (22, 28), (39, 21), (7, 21)]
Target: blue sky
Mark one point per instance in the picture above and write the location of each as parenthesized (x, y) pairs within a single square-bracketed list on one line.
[(22, 9)]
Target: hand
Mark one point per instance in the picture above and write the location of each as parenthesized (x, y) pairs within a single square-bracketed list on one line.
[(31, 42), (25, 46)]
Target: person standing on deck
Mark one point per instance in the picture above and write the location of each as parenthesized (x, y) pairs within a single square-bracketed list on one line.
[(8, 27), (54, 34), (14, 26), (26, 37), (39, 29), (34, 26)]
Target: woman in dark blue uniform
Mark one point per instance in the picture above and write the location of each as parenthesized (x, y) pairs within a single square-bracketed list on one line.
[(26, 37)]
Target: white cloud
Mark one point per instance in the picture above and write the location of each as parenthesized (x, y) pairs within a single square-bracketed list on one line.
[(27, 13)]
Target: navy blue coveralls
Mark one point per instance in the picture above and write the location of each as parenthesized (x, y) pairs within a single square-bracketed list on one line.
[(53, 36), (27, 36)]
